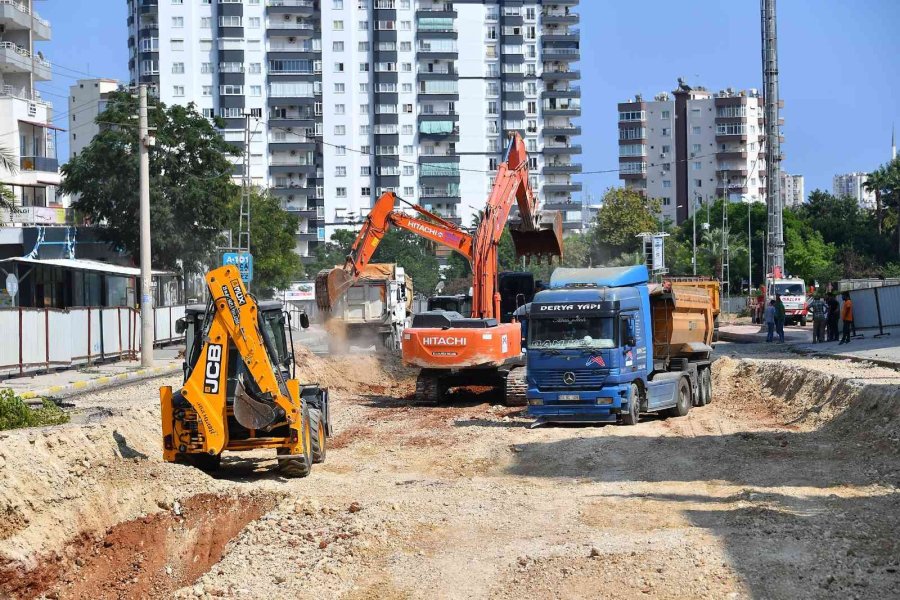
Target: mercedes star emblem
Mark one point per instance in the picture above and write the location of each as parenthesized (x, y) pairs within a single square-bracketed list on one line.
[(568, 377)]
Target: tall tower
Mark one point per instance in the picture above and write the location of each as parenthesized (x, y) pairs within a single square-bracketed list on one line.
[(893, 145), (773, 135)]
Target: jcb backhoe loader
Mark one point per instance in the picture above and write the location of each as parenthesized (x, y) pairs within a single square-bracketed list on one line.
[(238, 392), (452, 350)]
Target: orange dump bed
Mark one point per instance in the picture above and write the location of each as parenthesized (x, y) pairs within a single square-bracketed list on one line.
[(710, 286), (683, 321)]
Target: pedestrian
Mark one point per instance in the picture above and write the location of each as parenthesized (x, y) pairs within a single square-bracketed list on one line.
[(847, 317), (819, 311), (779, 318), (834, 312), (769, 318)]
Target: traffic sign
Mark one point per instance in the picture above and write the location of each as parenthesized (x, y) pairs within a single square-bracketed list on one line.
[(243, 261)]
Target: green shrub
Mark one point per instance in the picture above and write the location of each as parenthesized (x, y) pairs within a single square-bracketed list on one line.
[(14, 413)]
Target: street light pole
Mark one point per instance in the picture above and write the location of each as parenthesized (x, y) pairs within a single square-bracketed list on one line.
[(749, 252), (694, 219), (146, 274)]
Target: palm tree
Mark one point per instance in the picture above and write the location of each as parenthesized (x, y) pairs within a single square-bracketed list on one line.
[(876, 182), (7, 163)]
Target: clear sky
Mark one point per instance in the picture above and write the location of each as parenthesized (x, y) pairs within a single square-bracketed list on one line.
[(839, 68)]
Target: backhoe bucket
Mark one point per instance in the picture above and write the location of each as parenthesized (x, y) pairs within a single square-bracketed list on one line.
[(330, 286), (546, 240)]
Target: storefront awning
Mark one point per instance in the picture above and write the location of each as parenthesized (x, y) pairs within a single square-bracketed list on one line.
[(81, 265)]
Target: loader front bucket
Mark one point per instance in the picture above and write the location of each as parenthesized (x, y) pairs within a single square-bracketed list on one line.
[(545, 240), (330, 286)]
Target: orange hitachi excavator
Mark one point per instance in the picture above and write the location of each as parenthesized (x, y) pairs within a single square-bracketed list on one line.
[(453, 350)]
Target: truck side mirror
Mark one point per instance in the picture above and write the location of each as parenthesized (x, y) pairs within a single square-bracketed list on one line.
[(180, 326), (304, 320)]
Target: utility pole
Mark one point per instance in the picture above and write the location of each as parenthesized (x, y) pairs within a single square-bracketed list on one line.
[(726, 268), (773, 137), (244, 227), (147, 335), (694, 219)]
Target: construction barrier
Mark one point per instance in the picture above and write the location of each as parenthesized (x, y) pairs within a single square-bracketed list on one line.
[(876, 307), (40, 339)]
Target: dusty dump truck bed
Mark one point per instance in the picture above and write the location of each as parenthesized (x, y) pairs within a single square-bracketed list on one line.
[(710, 286), (683, 321)]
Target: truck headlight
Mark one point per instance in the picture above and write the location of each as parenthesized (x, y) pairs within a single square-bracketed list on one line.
[(603, 401), (535, 402)]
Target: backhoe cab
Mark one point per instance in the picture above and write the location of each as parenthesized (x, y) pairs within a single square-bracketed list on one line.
[(240, 389)]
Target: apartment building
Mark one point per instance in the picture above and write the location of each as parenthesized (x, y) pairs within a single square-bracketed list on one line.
[(87, 99), (792, 193), (692, 146), (26, 129), (854, 185), (353, 97)]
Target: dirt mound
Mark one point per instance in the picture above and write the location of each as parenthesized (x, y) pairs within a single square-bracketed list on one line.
[(808, 399), (362, 374)]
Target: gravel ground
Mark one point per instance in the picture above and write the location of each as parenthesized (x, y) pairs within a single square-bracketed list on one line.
[(784, 486)]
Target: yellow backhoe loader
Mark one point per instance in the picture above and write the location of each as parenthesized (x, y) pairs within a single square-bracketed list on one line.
[(240, 389)]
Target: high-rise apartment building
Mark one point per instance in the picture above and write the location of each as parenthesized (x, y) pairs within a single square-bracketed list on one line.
[(854, 185), (353, 97), (87, 99), (792, 194), (26, 130), (692, 146)]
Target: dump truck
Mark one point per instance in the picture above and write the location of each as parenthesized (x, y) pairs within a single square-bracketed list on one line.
[(240, 389), (374, 310), (606, 345)]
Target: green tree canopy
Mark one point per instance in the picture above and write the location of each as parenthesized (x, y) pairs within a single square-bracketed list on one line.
[(190, 182), (624, 215), (7, 163)]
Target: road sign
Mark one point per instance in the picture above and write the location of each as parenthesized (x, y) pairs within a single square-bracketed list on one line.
[(243, 261)]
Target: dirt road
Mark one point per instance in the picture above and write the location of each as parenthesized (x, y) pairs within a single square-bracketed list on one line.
[(785, 486)]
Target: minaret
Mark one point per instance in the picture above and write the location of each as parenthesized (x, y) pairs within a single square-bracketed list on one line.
[(893, 144)]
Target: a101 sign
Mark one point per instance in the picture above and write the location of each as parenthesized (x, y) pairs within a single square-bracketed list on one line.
[(243, 261)]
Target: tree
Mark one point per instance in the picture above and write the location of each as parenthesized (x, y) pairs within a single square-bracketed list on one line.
[(809, 256), (625, 214), (875, 182), (190, 182), (272, 243), (7, 163), (332, 253)]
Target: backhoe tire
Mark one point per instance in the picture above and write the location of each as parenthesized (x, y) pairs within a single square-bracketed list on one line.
[(319, 441), (634, 407), (683, 404), (300, 466), (515, 388), (429, 388), (207, 463)]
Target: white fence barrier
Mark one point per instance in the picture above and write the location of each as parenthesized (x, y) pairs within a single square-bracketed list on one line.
[(876, 307), (39, 339)]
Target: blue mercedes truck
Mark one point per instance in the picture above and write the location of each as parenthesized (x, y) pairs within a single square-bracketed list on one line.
[(605, 345)]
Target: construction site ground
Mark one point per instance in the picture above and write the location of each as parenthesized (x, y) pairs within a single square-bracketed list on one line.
[(784, 487)]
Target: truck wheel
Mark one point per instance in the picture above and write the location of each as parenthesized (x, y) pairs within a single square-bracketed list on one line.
[(515, 388), (802, 321), (703, 387), (205, 462), (634, 407), (683, 405), (318, 439), (298, 466), (707, 384), (429, 388)]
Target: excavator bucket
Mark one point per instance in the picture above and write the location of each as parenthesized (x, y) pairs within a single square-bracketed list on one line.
[(546, 240), (330, 285)]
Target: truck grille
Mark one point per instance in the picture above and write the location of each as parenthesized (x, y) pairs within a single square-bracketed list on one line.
[(584, 379)]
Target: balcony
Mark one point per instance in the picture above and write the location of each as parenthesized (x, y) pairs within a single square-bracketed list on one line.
[(16, 16), (290, 192), (9, 91), (149, 7), (304, 8), (309, 236), (16, 59), (291, 28), (559, 74), (39, 163), (552, 53), (559, 150), (563, 107), (571, 34), (571, 186), (573, 91), (559, 18), (550, 130), (561, 169)]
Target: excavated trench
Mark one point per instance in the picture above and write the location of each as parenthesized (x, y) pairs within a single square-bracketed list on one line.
[(147, 557)]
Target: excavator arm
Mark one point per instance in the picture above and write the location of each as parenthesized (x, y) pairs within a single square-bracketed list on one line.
[(332, 283)]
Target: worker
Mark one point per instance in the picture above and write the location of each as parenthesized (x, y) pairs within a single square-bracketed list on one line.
[(769, 318), (779, 318), (847, 317), (834, 312), (819, 311)]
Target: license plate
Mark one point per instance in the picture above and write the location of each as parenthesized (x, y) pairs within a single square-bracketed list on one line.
[(569, 398)]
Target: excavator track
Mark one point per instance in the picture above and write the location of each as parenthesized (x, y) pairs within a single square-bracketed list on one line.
[(429, 389), (516, 386)]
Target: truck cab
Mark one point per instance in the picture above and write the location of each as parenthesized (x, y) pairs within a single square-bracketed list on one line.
[(602, 346), (793, 294)]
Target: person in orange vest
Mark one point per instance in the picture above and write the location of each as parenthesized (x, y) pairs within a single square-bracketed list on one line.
[(847, 318)]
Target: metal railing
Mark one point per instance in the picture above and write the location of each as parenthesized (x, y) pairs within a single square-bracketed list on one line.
[(301, 3), (25, 10)]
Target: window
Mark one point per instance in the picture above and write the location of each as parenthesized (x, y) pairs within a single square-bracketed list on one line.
[(176, 45), (253, 23), (695, 130), (363, 47), (365, 171), (178, 90), (363, 25), (409, 170), (407, 88), (731, 111), (337, 25), (632, 150), (207, 90), (531, 107), (632, 115), (338, 4), (178, 67), (340, 171), (731, 129), (177, 22), (340, 192), (337, 46), (364, 88), (365, 129), (340, 150), (209, 113), (207, 68), (340, 130), (698, 183), (407, 150), (666, 201), (407, 108), (231, 90), (407, 130), (665, 148), (364, 67), (205, 22), (665, 132), (363, 109), (339, 67), (339, 88), (665, 115), (492, 108), (365, 191), (405, 46), (230, 21), (695, 148), (632, 133), (406, 67), (255, 68), (340, 109), (697, 165), (667, 183), (256, 90)]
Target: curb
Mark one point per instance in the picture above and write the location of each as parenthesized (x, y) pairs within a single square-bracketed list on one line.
[(100, 383), (858, 359)]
